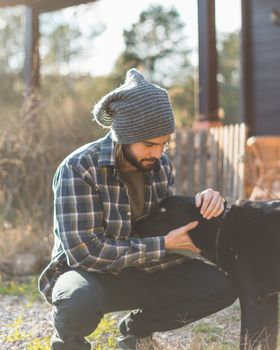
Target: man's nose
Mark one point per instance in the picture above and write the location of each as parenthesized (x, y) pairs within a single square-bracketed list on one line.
[(157, 152)]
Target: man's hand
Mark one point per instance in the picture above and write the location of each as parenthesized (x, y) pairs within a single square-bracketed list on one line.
[(211, 202), (179, 239)]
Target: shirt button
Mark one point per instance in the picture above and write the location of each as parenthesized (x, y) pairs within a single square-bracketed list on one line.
[(129, 213)]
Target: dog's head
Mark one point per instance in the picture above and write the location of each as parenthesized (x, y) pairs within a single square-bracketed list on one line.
[(172, 212), (176, 211)]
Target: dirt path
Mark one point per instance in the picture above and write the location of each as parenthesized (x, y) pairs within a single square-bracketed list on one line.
[(22, 322)]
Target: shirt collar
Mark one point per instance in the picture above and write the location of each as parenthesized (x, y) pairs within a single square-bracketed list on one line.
[(107, 152)]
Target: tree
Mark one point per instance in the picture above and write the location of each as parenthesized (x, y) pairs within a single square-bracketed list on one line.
[(157, 42), (123, 63), (12, 46), (229, 76), (63, 40), (182, 99)]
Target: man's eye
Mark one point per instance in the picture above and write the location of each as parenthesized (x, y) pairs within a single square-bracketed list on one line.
[(163, 210)]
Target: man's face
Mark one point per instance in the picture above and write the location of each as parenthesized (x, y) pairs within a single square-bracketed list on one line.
[(145, 155)]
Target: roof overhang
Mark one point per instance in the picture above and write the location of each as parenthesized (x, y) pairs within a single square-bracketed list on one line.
[(44, 5)]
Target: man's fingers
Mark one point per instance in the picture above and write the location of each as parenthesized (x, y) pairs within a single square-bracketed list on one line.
[(220, 211), (190, 226), (180, 239), (207, 196), (192, 248), (219, 208), (198, 199), (215, 202)]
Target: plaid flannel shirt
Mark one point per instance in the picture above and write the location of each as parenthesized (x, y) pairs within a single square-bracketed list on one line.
[(92, 218)]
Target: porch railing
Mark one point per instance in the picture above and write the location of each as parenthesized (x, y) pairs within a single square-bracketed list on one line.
[(213, 158)]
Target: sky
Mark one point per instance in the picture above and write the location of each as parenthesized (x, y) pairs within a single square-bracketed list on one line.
[(119, 15)]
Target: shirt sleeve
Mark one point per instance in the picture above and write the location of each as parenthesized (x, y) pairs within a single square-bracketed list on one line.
[(78, 219)]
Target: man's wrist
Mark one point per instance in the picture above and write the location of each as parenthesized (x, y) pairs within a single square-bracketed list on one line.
[(166, 243)]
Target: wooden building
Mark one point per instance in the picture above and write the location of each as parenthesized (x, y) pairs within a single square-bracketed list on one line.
[(260, 83), (261, 66)]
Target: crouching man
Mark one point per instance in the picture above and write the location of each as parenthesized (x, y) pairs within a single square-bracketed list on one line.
[(97, 265)]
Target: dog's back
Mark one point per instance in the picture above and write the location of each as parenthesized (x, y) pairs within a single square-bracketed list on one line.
[(253, 230), (250, 229), (248, 238)]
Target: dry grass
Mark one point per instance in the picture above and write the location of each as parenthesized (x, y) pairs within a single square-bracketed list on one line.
[(32, 144), (23, 250), (20, 298), (216, 332)]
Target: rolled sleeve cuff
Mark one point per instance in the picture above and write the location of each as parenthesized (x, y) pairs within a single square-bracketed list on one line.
[(155, 249)]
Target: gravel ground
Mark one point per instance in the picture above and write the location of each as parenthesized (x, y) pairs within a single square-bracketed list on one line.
[(220, 330), (33, 321), (19, 314)]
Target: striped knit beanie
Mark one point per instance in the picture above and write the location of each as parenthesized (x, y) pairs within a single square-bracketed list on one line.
[(136, 111)]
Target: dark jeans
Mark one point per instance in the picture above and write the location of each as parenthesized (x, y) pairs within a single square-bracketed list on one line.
[(166, 299)]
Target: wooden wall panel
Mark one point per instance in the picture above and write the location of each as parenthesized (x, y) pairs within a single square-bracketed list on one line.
[(261, 67)]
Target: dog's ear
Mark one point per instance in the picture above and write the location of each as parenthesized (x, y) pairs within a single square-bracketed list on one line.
[(258, 207), (271, 208)]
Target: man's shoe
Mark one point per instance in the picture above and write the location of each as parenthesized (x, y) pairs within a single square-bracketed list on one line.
[(58, 344), (132, 342)]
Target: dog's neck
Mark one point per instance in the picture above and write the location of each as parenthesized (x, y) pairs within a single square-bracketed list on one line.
[(207, 235)]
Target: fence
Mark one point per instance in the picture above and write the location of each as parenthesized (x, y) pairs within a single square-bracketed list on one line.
[(213, 158)]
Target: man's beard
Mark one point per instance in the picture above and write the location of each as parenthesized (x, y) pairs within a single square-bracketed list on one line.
[(138, 164)]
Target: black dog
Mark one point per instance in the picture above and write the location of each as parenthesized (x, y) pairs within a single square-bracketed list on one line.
[(245, 243)]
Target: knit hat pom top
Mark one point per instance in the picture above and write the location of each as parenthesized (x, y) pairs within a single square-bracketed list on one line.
[(135, 111)]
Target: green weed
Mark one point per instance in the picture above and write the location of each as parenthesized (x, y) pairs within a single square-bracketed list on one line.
[(27, 288), (17, 334), (39, 344), (104, 337)]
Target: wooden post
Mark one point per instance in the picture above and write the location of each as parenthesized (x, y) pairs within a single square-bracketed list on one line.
[(178, 163), (202, 159), (191, 162), (247, 102), (208, 87), (32, 57)]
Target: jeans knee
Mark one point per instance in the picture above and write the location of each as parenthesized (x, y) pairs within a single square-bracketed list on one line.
[(80, 311)]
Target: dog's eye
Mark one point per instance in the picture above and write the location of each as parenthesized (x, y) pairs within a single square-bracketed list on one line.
[(163, 210)]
